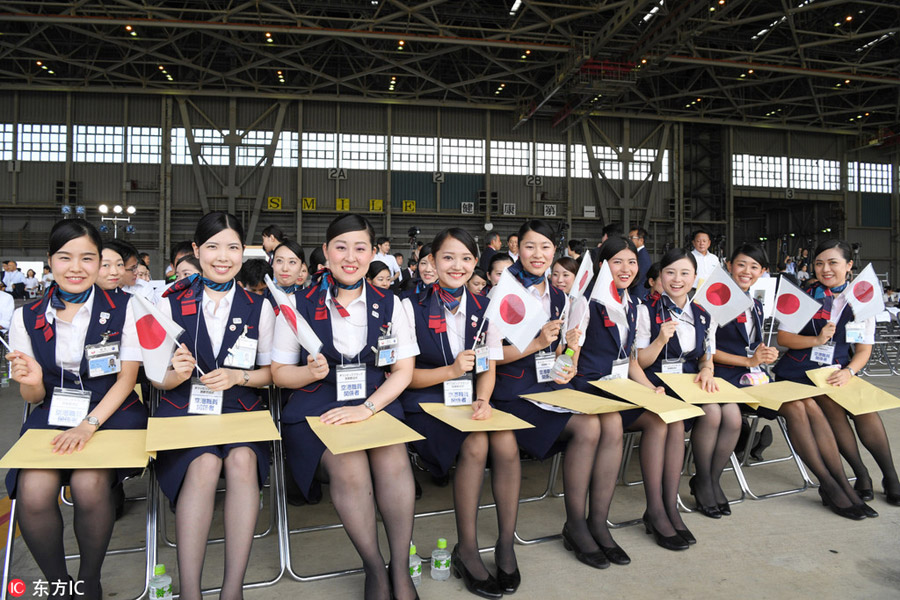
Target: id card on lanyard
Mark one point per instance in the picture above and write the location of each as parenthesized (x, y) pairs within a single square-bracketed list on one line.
[(103, 358), (459, 391), (204, 401), (351, 382), (619, 369), (543, 364), (68, 407), (243, 354), (824, 354), (855, 332), (750, 353), (386, 353), (673, 365)]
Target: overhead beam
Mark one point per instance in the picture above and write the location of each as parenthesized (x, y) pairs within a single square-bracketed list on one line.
[(807, 72)]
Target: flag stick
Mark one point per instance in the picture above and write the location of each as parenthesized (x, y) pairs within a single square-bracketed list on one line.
[(5, 345)]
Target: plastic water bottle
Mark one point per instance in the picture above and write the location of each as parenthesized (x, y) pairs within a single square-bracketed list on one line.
[(415, 566), (160, 584), (440, 561), (563, 363)]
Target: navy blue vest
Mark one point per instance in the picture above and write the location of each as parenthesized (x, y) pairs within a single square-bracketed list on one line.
[(602, 345), (186, 311), (131, 414), (794, 364), (434, 348), (320, 396), (520, 377), (659, 315), (732, 338)]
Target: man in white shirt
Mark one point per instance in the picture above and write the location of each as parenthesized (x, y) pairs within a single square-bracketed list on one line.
[(384, 255), (512, 246), (13, 276), (7, 308), (706, 260)]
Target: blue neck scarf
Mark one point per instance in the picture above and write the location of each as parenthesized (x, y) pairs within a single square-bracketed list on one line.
[(58, 297), (524, 277)]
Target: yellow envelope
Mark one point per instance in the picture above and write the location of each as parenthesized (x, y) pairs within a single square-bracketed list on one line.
[(460, 417), (858, 396), (107, 449), (581, 402), (683, 385), (382, 429), (668, 408), (193, 431), (773, 395)]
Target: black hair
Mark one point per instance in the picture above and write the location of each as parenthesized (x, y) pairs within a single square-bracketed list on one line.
[(576, 246), (753, 251), (293, 247), (347, 223), (499, 257), (490, 237), (652, 273), (676, 254), (641, 232), (567, 262), (125, 249), (144, 258), (253, 272), (214, 222), (180, 248), (697, 232), (65, 231), (479, 272), (841, 245), (537, 226), (511, 236), (613, 246), (398, 255), (274, 231), (376, 267), (382, 240), (613, 229), (316, 258), (191, 260), (458, 234), (423, 252)]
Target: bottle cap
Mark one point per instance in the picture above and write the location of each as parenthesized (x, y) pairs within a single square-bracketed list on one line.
[(159, 570), (442, 543), (570, 352), (412, 549)]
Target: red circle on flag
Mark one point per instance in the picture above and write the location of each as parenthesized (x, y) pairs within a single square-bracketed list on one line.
[(614, 292), (718, 294), (788, 304), (512, 309), (150, 333), (289, 316), (584, 279), (864, 291)]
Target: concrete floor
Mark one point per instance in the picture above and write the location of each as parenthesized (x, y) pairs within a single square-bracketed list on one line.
[(787, 547)]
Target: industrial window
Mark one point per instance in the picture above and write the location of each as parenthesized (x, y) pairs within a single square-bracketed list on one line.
[(462, 156), (759, 171), (45, 143), (642, 165), (213, 150), (550, 160), (363, 151), (815, 174), (319, 151), (99, 143), (253, 149), (145, 145), (510, 158), (6, 141), (608, 161), (413, 153), (869, 177)]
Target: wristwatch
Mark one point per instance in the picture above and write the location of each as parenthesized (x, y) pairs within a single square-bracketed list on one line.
[(92, 421), (852, 372), (246, 377), (368, 404)]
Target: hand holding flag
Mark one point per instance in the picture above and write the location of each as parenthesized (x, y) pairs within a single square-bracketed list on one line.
[(517, 313), (722, 298), (158, 336), (305, 335)]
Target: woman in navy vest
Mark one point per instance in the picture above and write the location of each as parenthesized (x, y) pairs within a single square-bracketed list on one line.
[(218, 317), (555, 429), (48, 338), (831, 334), (349, 316), (447, 319), (676, 336), (740, 350), (287, 265), (607, 351)]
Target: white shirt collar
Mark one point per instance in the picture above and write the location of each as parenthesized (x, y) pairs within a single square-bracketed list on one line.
[(209, 305), (360, 298), (87, 309)]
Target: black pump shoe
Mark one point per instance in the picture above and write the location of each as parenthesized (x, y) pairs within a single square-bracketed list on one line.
[(707, 511), (852, 512), (596, 559), (672, 542), (891, 497), (686, 535), (616, 555), (724, 508), (486, 588), (865, 493), (508, 582)]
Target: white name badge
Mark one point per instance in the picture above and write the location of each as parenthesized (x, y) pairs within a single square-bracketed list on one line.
[(204, 401), (855, 332), (481, 358), (458, 392), (619, 369), (68, 407), (387, 351), (543, 363), (824, 354), (102, 359), (674, 365), (243, 354), (351, 382)]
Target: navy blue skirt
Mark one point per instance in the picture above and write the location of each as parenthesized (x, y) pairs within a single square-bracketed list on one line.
[(542, 440), (441, 445)]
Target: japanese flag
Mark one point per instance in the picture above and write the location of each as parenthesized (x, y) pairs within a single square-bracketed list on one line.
[(514, 311), (158, 336), (582, 277), (605, 293), (793, 307), (722, 298), (305, 335), (865, 295)]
